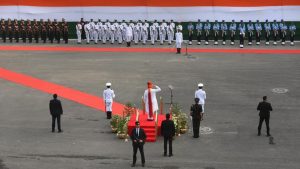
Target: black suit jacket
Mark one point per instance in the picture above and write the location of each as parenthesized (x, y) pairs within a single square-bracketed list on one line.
[(137, 138), (167, 128), (55, 107), (264, 109)]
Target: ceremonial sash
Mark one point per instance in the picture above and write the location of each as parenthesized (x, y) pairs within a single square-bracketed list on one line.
[(150, 103)]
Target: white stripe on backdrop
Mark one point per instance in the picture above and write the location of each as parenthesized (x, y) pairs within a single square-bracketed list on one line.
[(288, 13)]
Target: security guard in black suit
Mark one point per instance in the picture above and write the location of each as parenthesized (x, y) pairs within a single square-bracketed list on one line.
[(168, 131), (264, 109), (56, 111), (138, 138), (197, 116)]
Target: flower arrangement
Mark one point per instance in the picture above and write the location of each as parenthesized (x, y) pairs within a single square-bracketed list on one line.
[(180, 119)]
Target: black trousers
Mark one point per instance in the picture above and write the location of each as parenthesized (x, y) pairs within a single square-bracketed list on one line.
[(166, 140), (250, 35), (17, 36), (283, 36), (275, 36), (4, 37), (199, 37), (190, 37), (232, 37), (224, 37), (292, 37), (137, 146), (257, 37), (206, 36), (56, 118), (196, 126), (241, 39), (216, 36), (261, 120), (267, 37)]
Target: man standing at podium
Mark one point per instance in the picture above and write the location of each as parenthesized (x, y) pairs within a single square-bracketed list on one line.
[(150, 100)]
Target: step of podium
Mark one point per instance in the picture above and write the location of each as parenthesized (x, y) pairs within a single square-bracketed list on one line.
[(148, 126)]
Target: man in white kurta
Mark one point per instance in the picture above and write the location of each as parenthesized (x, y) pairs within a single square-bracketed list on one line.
[(179, 40), (108, 96), (153, 101), (201, 94)]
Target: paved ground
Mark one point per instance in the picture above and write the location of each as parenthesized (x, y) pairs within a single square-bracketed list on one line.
[(234, 83)]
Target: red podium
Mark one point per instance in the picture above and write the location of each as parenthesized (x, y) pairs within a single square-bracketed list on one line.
[(151, 130)]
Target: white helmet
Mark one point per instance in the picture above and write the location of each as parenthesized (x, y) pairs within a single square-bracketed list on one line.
[(108, 84), (200, 85)]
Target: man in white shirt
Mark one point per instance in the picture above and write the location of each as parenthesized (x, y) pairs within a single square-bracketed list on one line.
[(108, 96), (201, 94), (179, 40), (129, 33), (92, 30), (87, 28), (78, 32), (151, 105)]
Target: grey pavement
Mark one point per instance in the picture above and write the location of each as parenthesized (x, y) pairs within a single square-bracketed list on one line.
[(234, 83)]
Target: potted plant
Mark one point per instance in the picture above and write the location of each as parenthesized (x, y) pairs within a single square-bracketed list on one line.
[(122, 131), (114, 123)]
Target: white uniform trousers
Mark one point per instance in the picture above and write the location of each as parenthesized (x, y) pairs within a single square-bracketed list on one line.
[(156, 34), (112, 36), (96, 36), (108, 106), (136, 37), (78, 36), (144, 37), (91, 33), (170, 37), (104, 37), (119, 37), (178, 44)]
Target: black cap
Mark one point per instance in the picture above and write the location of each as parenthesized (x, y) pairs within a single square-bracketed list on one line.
[(137, 123)]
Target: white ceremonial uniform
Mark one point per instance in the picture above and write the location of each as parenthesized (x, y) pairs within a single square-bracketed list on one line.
[(100, 32), (87, 32), (164, 24), (140, 30), (152, 33), (156, 31), (78, 32), (173, 33), (124, 30), (179, 39), (119, 34), (128, 33), (92, 30), (104, 30), (108, 30), (112, 30), (136, 31), (162, 33), (116, 24), (144, 33), (153, 98), (201, 95), (170, 32), (108, 96), (96, 33)]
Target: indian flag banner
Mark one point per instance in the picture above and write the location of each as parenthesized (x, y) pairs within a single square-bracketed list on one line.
[(178, 10)]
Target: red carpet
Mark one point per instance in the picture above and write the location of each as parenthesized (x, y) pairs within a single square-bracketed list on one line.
[(148, 126), (150, 50), (64, 92)]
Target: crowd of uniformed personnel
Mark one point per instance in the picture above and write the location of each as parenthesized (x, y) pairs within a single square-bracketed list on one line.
[(164, 31), (143, 31), (34, 31), (277, 31)]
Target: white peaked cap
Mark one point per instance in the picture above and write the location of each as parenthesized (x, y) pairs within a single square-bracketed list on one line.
[(108, 84), (200, 85)]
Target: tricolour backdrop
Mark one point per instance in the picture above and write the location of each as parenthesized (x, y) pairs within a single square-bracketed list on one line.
[(178, 10)]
